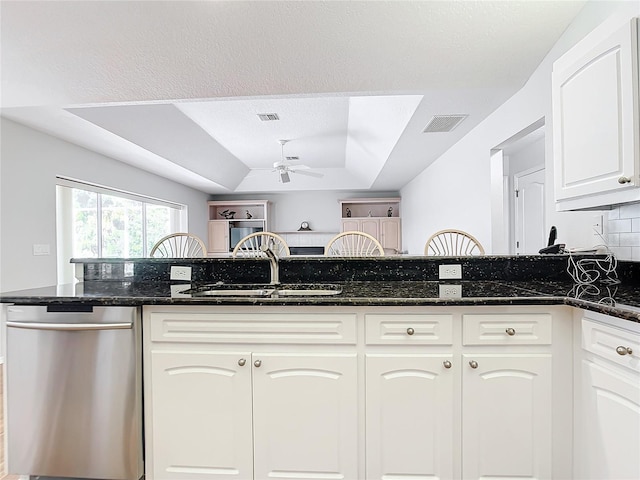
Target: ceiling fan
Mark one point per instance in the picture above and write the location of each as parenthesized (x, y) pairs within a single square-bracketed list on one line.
[(286, 166)]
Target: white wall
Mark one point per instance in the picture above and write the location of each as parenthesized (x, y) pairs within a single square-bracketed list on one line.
[(455, 191), (29, 163)]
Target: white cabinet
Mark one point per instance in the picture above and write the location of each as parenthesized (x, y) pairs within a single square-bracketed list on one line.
[(506, 411), (305, 416), (410, 419), (201, 415), (607, 423), (379, 217), (507, 403), (229, 220), (410, 416), (218, 236), (327, 392), (596, 121), (233, 396)]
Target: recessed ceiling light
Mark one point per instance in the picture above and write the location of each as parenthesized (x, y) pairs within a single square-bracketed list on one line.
[(443, 123), (268, 117)]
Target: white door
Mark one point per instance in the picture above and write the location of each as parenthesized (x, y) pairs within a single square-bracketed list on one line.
[(409, 416), (305, 416), (611, 423), (506, 416), (201, 416), (529, 231)]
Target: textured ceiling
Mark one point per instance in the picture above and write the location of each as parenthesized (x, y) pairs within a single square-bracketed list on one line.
[(174, 87)]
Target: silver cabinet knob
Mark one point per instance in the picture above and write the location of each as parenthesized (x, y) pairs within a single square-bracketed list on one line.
[(447, 364), (622, 180), (624, 350), (473, 364), (410, 331), (257, 363), (510, 331), (242, 362)]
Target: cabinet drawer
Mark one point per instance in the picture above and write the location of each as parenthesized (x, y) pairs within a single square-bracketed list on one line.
[(612, 343), (253, 328), (408, 329), (507, 329)]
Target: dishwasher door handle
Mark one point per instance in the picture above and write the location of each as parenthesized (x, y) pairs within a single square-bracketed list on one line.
[(70, 327)]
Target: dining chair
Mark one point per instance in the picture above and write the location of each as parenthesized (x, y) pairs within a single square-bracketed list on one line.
[(249, 246), (354, 244), (452, 242), (179, 245)]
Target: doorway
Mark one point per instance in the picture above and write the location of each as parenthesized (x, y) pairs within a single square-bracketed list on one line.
[(528, 224), (518, 192)]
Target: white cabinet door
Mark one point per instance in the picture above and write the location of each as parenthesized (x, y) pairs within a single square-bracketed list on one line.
[(218, 236), (350, 225), (610, 423), (506, 416), (409, 416), (305, 416), (201, 416), (390, 234), (371, 226), (595, 117)]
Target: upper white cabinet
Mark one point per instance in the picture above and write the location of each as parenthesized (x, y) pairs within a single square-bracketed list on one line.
[(379, 217), (596, 121)]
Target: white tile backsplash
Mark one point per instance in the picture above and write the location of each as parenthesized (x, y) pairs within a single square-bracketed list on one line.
[(622, 231)]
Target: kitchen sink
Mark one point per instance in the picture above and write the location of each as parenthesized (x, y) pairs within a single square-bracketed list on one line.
[(262, 290)]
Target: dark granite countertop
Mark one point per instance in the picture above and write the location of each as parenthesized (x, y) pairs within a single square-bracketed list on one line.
[(622, 300)]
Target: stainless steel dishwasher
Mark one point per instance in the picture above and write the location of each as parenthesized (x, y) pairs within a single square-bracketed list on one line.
[(74, 392)]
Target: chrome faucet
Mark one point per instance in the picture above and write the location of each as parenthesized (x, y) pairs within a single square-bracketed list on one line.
[(273, 262)]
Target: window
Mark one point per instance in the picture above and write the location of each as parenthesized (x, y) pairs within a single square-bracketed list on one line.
[(99, 222)]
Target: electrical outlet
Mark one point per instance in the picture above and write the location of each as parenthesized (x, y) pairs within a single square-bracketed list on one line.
[(449, 272), (180, 273), (597, 224), (450, 291)]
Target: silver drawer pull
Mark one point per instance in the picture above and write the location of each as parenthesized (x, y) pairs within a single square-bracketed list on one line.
[(622, 180), (447, 364), (624, 350), (242, 362), (410, 331), (510, 331), (257, 363), (473, 364)]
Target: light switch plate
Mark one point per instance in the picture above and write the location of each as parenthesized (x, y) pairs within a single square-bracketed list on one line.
[(41, 249), (450, 272)]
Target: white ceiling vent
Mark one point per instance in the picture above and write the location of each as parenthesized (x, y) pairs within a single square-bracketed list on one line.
[(443, 123), (268, 117), (292, 159)]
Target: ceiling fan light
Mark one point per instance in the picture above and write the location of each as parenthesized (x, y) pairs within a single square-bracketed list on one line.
[(284, 177)]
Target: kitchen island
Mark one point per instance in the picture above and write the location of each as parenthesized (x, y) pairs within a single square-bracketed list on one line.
[(398, 374)]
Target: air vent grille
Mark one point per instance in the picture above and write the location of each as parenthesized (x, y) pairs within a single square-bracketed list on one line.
[(443, 123), (292, 159), (268, 117)]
